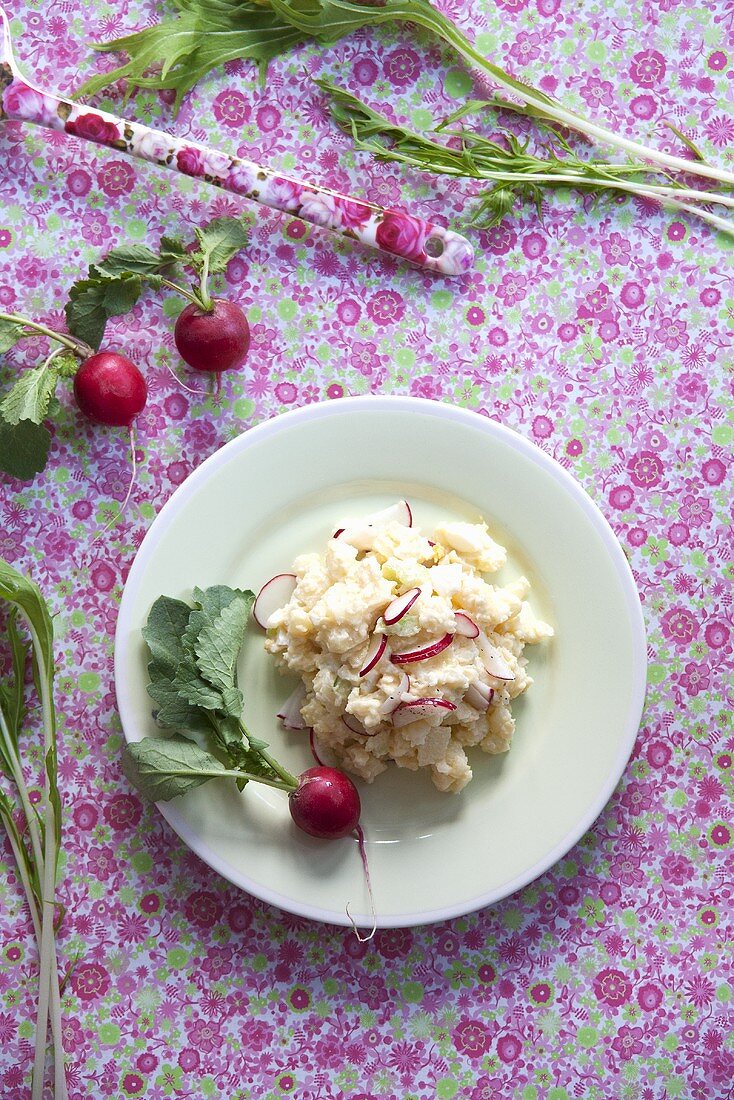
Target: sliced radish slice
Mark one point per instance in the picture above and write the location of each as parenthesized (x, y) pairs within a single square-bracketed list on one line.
[(360, 535), (414, 709), (290, 712), (399, 512), (400, 606), (355, 725), (397, 696), (422, 654), (493, 661), (466, 626), (339, 531), (479, 696), (273, 595), (378, 645)]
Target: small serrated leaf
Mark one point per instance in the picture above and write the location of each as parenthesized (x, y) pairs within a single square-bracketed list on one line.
[(30, 396), (222, 239), (164, 768), (10, 333), (93, 301)]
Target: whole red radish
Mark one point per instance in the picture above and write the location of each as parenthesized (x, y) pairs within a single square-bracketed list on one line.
[(110, 389), (213, 340), (325, 804)]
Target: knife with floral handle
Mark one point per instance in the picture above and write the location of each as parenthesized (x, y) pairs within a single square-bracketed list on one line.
[(393, 231)]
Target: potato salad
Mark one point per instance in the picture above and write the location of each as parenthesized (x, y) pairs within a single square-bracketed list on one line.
[(405, 652)]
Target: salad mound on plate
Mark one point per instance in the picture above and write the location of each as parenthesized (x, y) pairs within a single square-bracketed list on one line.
[(405, 652)]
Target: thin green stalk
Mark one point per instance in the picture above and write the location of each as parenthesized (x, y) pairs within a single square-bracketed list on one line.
[(179, 290), (206, 301), (548, 108), (77, 346), (290, 780)]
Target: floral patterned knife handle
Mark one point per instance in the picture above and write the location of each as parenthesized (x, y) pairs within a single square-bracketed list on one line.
[(393, 231)]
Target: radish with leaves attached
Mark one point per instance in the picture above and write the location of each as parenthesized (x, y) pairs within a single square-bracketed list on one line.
[(194, 653)]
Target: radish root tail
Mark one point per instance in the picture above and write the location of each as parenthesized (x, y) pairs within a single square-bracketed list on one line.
[(121, 511), (365, 864)]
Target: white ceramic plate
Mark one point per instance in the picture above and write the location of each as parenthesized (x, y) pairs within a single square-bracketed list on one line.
[(278, 490)]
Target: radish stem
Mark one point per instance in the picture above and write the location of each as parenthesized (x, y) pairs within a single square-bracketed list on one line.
[(363, 856)]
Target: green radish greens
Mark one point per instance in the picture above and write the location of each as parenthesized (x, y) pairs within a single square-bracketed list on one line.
[(177, 52), (36, 843), (193, 681)]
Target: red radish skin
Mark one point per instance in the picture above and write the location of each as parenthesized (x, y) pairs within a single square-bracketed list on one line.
[(400, 606), (109, 389), (375, 653), (466, 626), (414, 709), (273, 595), (422, 654), (213, 340), (325, 804)]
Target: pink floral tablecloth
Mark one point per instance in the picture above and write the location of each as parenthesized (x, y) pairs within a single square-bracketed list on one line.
[(602, 332)]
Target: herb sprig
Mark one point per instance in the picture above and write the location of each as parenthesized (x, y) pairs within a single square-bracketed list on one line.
[(193, 680), (205, 34), (36, 844), (517, 175)]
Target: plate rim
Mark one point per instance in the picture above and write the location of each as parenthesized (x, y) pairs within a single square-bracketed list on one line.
[(474, 421)]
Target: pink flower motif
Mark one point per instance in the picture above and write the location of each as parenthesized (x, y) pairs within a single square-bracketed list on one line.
[(649, 997), (597, 93), (643, 107), (202, 162), (646, 469), (402, 67), (627, 1042), (512, 5), (96, 227), (472, 1038), (632, 295), (713, 471), (695, 511), (93, 126), (365, 71), (679, 626), (282, 194), (90, 981), (152, 146), (22, 101), (268, 118), (647, 68), (320, 208), (597, 305), (694, 679), (509, 1048), (720, 131), (621, 497), (231, 108), (512, 289), (612, 987), (617, 250), (717, 635), (85, 815), (352, 214), (500, 239), (402, 234), (241, 178), (637, 797), (204, 1035), (671, 333), (691, 386), (677, 869), (203, 908), (385, 307), (534, 246), (542, 427), (394, 943), (117, 177), (526, 47)]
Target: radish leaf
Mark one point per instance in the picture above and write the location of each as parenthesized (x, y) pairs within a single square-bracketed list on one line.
[(30, 396), (23, 448), (163, 768)]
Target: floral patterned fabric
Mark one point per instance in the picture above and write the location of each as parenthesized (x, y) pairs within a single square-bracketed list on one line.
[(602, 332)]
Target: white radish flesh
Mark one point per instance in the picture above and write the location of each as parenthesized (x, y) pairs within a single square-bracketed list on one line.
[(290, 712), (479, 696), (273, 595), (422, 654), (397, 696), (493, 661), (354, 725), (400, 606), (374, 654), (414, 709), (361, 534), (466, 626)]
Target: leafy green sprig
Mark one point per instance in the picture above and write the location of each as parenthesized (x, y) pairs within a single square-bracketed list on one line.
[(205, 34), (193, 680), (36, 845), (517, 175)]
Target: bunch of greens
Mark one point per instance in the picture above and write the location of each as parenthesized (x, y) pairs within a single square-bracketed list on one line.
[(193, 681), (177, 52), (111, 288), (516, 174), (36, 843)]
